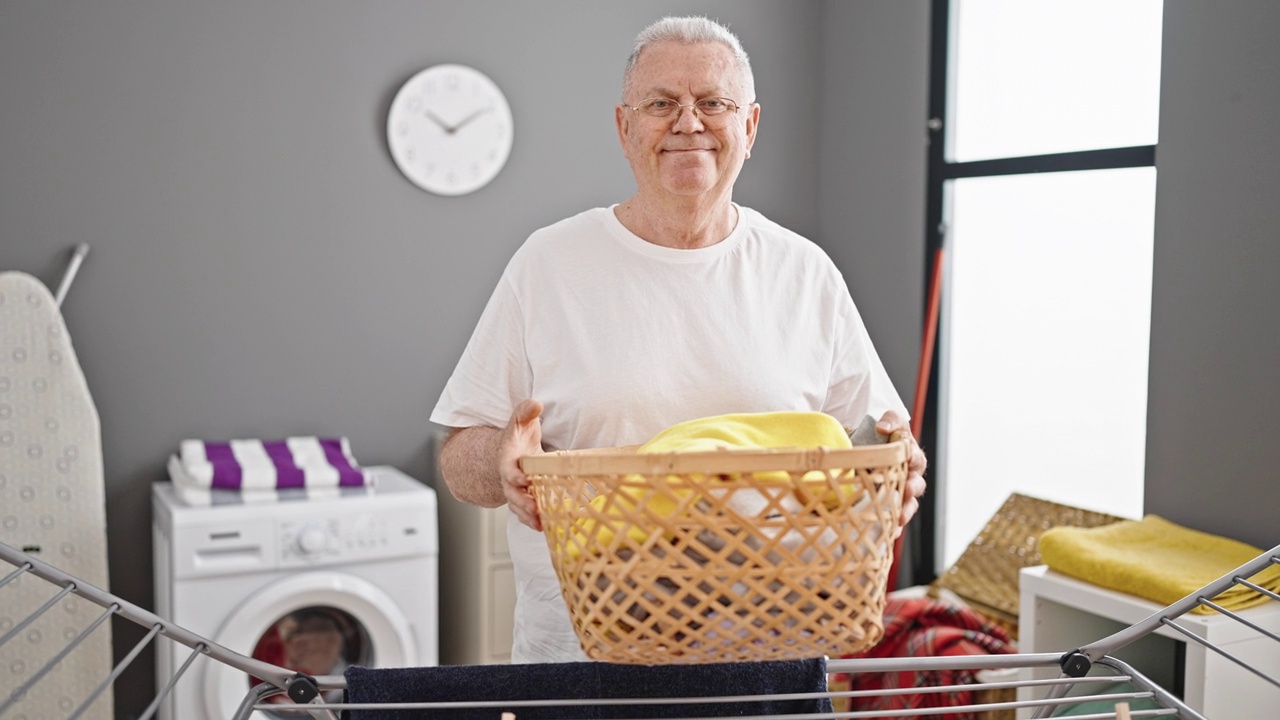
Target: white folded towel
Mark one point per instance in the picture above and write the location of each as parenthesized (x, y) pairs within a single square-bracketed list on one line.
[(296, 462)]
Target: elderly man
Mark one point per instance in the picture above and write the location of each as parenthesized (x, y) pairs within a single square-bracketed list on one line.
[(614, 324)]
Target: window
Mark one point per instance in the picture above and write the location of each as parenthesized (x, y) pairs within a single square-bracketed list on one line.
[(1034, 77), (1042, 202)]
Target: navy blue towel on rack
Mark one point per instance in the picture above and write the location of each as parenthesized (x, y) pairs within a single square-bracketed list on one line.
[(512, 684)]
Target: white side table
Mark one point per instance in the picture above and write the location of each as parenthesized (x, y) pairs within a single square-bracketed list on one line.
[(1057, 612)]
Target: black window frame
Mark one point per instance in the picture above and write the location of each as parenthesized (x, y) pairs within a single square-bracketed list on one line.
[(920, 546)]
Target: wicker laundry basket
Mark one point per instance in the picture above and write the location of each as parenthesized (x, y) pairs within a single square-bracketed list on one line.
[(986, 574), (730, 555)]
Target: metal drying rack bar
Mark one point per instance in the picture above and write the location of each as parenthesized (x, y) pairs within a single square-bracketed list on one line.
[(307, 693)]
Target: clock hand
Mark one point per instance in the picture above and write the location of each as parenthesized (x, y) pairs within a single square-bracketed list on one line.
[(470, 117), (443, 125)]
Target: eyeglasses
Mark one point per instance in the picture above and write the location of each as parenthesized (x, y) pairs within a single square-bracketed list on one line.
[(711, 110)]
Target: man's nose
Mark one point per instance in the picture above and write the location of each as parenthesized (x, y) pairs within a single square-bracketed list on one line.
[(687, 119)]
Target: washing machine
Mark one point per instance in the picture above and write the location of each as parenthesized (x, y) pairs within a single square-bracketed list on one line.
[(313, 584)]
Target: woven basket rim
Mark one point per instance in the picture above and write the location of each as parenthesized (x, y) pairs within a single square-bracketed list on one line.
[(625, 460)]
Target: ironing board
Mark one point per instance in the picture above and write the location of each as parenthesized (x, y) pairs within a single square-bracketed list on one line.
[(51, 506)]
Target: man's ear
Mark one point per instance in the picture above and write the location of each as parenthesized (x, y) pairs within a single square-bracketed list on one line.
[(622, 119), (753, 122)]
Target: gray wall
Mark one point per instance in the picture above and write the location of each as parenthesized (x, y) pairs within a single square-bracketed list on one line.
[(872, 168), (1215, 344)]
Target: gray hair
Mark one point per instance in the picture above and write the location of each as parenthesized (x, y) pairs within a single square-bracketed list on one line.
[(689, 30)]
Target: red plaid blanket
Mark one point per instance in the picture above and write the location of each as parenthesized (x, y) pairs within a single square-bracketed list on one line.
[(924, 627)]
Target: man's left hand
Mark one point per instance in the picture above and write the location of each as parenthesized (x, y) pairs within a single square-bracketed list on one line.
[(897, 429)]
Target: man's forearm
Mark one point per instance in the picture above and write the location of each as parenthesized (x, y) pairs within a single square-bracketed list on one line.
[(469, 465)]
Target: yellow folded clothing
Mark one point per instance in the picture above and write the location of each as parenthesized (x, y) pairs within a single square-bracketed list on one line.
[(1155, 559), (751, 430), (801, 430)]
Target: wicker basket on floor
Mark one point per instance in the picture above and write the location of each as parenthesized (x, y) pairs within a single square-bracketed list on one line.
[(731, 555), (986, 574)]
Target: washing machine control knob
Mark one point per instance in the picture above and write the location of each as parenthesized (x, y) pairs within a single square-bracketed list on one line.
[(312, 540)]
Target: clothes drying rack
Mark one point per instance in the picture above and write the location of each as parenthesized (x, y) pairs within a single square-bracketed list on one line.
[(1090, 665)]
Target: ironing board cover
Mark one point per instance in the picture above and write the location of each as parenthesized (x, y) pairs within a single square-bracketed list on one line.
[(51, 504)]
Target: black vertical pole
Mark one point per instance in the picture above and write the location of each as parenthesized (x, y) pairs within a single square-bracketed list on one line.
[(922, 540)]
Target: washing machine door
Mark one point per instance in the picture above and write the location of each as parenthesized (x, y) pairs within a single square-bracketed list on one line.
[(317, 623)]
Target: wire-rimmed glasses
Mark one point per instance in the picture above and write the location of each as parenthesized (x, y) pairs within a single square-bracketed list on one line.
[(710, 110)]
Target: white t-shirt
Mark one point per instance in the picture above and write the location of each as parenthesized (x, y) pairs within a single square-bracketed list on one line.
[(620, 338)]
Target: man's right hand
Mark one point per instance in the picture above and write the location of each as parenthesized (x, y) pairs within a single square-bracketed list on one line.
[(522, 436)]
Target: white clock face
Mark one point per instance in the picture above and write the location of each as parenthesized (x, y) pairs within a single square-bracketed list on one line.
[(450, 129)]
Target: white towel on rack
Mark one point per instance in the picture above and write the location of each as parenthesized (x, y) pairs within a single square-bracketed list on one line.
[(295, 462)]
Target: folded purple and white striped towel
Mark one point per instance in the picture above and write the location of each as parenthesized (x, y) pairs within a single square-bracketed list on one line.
[(197, 496), (296, 462)]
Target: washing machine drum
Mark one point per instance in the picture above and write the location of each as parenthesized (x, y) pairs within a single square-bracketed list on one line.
[(316, 623)]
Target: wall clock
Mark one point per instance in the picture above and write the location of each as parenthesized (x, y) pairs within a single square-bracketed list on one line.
[(449, 129)]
